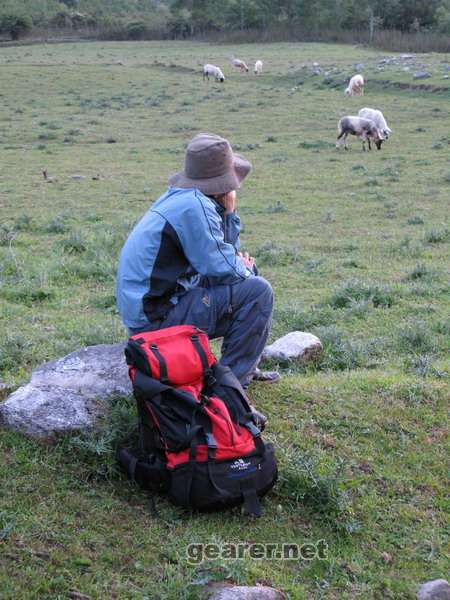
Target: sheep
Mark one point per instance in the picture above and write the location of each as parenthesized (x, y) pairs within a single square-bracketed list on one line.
[(362, 128), (214, 72), (239, 64), (258, 67), (378, 118), (355, 86)]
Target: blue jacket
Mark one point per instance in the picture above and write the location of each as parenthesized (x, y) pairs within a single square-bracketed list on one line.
[(183, 240)]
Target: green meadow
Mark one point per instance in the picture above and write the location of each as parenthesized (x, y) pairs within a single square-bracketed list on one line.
[(357, 248)]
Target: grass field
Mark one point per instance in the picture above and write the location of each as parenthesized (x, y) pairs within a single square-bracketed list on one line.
[(357, 248)]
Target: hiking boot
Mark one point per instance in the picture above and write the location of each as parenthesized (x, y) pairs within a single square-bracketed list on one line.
[(266, 376), (259, 418)]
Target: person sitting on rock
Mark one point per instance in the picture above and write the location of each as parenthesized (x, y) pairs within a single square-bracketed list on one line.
[(182, 265)]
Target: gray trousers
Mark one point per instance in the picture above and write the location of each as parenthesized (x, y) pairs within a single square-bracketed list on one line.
[(241, 314)]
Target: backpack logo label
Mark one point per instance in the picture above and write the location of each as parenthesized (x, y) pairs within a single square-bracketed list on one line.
[(240, 465)]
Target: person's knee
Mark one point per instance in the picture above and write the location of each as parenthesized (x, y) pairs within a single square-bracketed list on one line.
[(261, 290)]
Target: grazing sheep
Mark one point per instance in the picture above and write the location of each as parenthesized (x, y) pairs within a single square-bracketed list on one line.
[(239, 64), (378, 118), (214, 72), (258, 67), (355, 86), (362, 128)]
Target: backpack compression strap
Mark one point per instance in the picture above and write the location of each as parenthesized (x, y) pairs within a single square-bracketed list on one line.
[(163, 377), (207, 371)]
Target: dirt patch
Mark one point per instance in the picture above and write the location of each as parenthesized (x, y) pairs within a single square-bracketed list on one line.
[(174, 67)]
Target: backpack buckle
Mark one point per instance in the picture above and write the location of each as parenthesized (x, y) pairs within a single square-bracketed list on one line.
[(209, 378), (210, 440)]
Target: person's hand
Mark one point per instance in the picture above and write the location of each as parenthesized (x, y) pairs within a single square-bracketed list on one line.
[(228, 201), (249, 261)]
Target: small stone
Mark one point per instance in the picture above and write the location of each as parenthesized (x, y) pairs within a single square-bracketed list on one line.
[(78, 177), (240, 592), (438, 589), (421, 75), (297, 346), (386, 557)]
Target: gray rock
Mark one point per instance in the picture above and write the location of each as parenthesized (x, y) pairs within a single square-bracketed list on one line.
[(239, 592), (408, 57), (69, 393), (78, 177), (297, 346), (421, 75), (439, 589)]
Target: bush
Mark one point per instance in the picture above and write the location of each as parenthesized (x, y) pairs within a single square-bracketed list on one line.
[(273, 254), (415, 337), (16, 25), (355, 290), (420, 271), (137, 30), (436, 236), (7, 235), (74, 243), (56, 225), (305, 480)]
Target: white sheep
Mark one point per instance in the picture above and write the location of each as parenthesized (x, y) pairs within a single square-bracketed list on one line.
[(355, 86), (378, 118), (365, 129), (214, 72), (258, 67), (239, 64)]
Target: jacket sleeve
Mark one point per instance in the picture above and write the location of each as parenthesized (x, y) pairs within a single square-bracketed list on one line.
[(232, 230), (199, 229)]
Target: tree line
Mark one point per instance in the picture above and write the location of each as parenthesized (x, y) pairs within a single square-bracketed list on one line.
[(144, 19)]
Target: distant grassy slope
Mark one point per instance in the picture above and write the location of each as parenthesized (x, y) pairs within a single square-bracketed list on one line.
[(357, 249)]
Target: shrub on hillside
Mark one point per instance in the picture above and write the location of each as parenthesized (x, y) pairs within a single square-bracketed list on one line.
[(15, 25)]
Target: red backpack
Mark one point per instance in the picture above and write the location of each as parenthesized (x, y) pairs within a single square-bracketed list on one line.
[(197, 439)]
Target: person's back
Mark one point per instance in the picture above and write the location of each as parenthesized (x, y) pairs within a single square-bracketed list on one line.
[(178, 238)]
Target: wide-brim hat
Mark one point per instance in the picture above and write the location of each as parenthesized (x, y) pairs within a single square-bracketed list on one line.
[(211, 166)]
